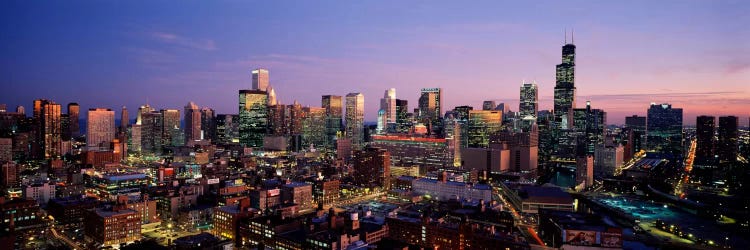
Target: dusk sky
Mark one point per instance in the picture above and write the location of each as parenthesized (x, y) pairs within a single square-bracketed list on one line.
[(693, 54)]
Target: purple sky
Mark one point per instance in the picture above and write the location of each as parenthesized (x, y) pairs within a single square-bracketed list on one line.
[(694, 54)]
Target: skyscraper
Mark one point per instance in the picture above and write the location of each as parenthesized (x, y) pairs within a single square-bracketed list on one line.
[(271, 96), (638, 125), (142, 110), (124, 120), (483, 124), (192, 122), (529, 101), (728, 146), (355, 118), (253, 113), (208, 124), (403, 122), (100, 128), (333, 106), (489, 105), (591, 124), (705, 128), (565, 90), (74, 116), (260, 79), (152, 129), (665, 129), (431, 107), (227, 127), (313, 127), (49, 135), (388, 106), (170, 126)]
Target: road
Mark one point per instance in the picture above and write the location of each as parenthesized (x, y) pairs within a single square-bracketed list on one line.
[(530, 231), (355, 200), (679, 187), (64, 238)]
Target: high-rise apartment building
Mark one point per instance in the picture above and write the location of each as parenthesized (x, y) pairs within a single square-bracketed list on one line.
[(50, 128), (355, 119), (100, 128), (253, 114)]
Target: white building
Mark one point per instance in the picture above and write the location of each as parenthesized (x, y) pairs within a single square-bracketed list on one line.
[(40, 192), (446, 190)]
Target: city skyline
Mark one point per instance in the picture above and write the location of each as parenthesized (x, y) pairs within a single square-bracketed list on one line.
[(175, 61)]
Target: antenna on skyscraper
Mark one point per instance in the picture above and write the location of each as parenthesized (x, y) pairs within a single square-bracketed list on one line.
[(566, 36), (572, 38)]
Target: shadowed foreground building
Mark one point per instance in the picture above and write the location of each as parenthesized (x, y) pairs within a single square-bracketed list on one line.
[(372, 167)]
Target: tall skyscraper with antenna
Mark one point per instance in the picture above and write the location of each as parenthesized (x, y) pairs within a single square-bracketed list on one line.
[(565, 90)]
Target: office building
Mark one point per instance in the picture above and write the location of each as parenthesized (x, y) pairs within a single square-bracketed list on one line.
[(313, 127), (403, 120), (113, 226), (192, 122), (74, 119), (607, 158), (488, 105), (227, 128), (151, 132), (664, 128), (414, 150), (584, 171), (355, 119), (638, 125), (124, 120), (208, 124), (372, 167), (260, 79), (728, 147), (528, 106), (481, 125), (705, 130), (565, 90), (253, 113), (170, 127), (100, 128), (431, 109), (334, 113)]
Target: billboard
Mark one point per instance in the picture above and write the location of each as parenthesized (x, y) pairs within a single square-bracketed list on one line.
[(273, 192), (212, 181), (611, 239), (580, 237)]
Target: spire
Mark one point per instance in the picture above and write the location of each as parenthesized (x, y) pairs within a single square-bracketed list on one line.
[(566, 36)]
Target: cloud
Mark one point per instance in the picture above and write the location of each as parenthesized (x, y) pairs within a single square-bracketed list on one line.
[(174, 39)]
